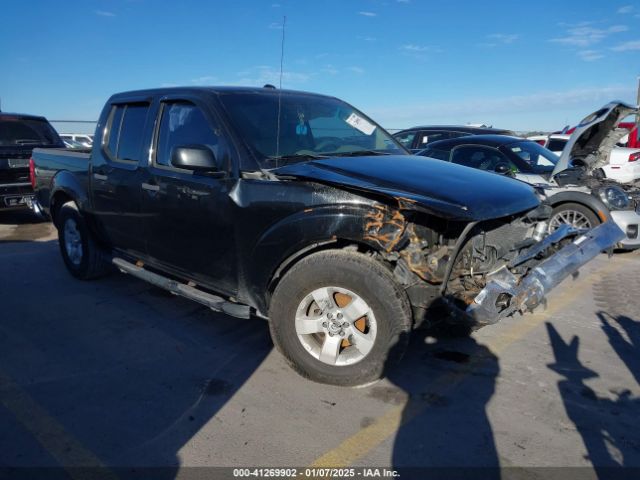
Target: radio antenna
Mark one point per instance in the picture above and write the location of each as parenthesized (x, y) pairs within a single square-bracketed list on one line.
[(284, 22)]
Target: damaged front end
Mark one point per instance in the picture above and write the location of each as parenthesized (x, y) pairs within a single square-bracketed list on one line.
[(506, 293), (482, 271)]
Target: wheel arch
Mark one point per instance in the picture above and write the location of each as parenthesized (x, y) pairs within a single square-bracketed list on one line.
[(65, 187), (594, 204), (311, 231)]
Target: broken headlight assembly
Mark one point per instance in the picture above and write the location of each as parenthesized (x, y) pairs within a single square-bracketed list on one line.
[(614, 198)]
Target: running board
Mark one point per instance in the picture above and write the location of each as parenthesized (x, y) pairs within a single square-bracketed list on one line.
[(214, 302)]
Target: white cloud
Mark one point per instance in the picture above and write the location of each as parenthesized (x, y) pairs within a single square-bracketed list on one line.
[(367, 39), (413, 48), (504, 37), (104, 13), (368, 14), (585, 35), (627, 46), (403, 1), (358, 70), (590, 55), (626, 9)]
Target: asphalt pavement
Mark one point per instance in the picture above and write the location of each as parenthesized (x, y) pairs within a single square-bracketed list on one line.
[(116, 373)]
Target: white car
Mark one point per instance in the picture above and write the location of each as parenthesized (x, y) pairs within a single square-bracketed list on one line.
[(86, 140), (623, 165)]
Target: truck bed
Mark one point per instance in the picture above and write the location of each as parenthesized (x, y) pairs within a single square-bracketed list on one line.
[(50, 162)]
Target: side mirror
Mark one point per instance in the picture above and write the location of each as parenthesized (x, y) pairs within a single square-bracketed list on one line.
[(503, 168), (197, 158)]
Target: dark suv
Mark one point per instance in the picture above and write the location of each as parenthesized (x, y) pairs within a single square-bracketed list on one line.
[(417, 138), (19, 135)]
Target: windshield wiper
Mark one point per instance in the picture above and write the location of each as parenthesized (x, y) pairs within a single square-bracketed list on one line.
[(296, 157), (358, 153)]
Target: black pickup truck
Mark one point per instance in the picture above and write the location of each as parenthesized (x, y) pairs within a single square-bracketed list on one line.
[(298, 208), (19, 134)]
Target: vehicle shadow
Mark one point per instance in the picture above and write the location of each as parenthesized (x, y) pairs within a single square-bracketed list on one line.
[(445, 431), (22, 225), (131, 373), (627, 350), (608, 426)]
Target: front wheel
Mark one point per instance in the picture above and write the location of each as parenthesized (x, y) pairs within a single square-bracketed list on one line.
[(339, 317), (572, 214), (82, 256)]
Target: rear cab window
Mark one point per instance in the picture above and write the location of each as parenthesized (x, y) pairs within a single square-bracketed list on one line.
[(16, 130)]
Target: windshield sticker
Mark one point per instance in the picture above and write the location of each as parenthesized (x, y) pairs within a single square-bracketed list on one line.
[(361, 124)]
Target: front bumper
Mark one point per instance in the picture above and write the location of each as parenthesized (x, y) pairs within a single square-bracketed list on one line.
[(629, 223), (506, 294)]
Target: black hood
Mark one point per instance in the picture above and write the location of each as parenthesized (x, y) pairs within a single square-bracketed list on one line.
[(441, 188)]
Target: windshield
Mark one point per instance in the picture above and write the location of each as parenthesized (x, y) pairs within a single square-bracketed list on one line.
[(529, 156), (310, 127), (27, 131)]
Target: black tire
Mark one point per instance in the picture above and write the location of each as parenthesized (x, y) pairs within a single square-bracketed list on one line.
[(576, 207), (92, 261), (362, 275)]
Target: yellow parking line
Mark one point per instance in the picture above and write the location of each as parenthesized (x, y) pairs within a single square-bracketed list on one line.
[(60, 444), (366, 439)]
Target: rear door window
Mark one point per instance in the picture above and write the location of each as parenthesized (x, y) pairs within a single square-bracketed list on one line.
[(125, 132)]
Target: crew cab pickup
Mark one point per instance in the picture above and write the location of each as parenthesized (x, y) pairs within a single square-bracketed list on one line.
[(19, 134), (299, 208)]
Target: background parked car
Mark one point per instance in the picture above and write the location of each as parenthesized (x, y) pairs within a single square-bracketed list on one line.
[(579, 198), (554, 142), (417, 138), (19, 135), (73, 144), (624, 159), (85, 140)]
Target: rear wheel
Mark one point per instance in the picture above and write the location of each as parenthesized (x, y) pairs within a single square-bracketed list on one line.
[(82, 256), (340, 317), (574, 215)]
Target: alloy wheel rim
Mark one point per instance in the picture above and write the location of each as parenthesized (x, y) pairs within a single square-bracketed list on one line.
[(572, 218), (73, 241), (336, 326)]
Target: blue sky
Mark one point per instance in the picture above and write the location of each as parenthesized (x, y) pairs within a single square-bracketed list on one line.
[(518, 65)]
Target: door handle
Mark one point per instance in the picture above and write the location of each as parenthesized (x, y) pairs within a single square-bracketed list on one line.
[(99, 176), (151, 188)]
